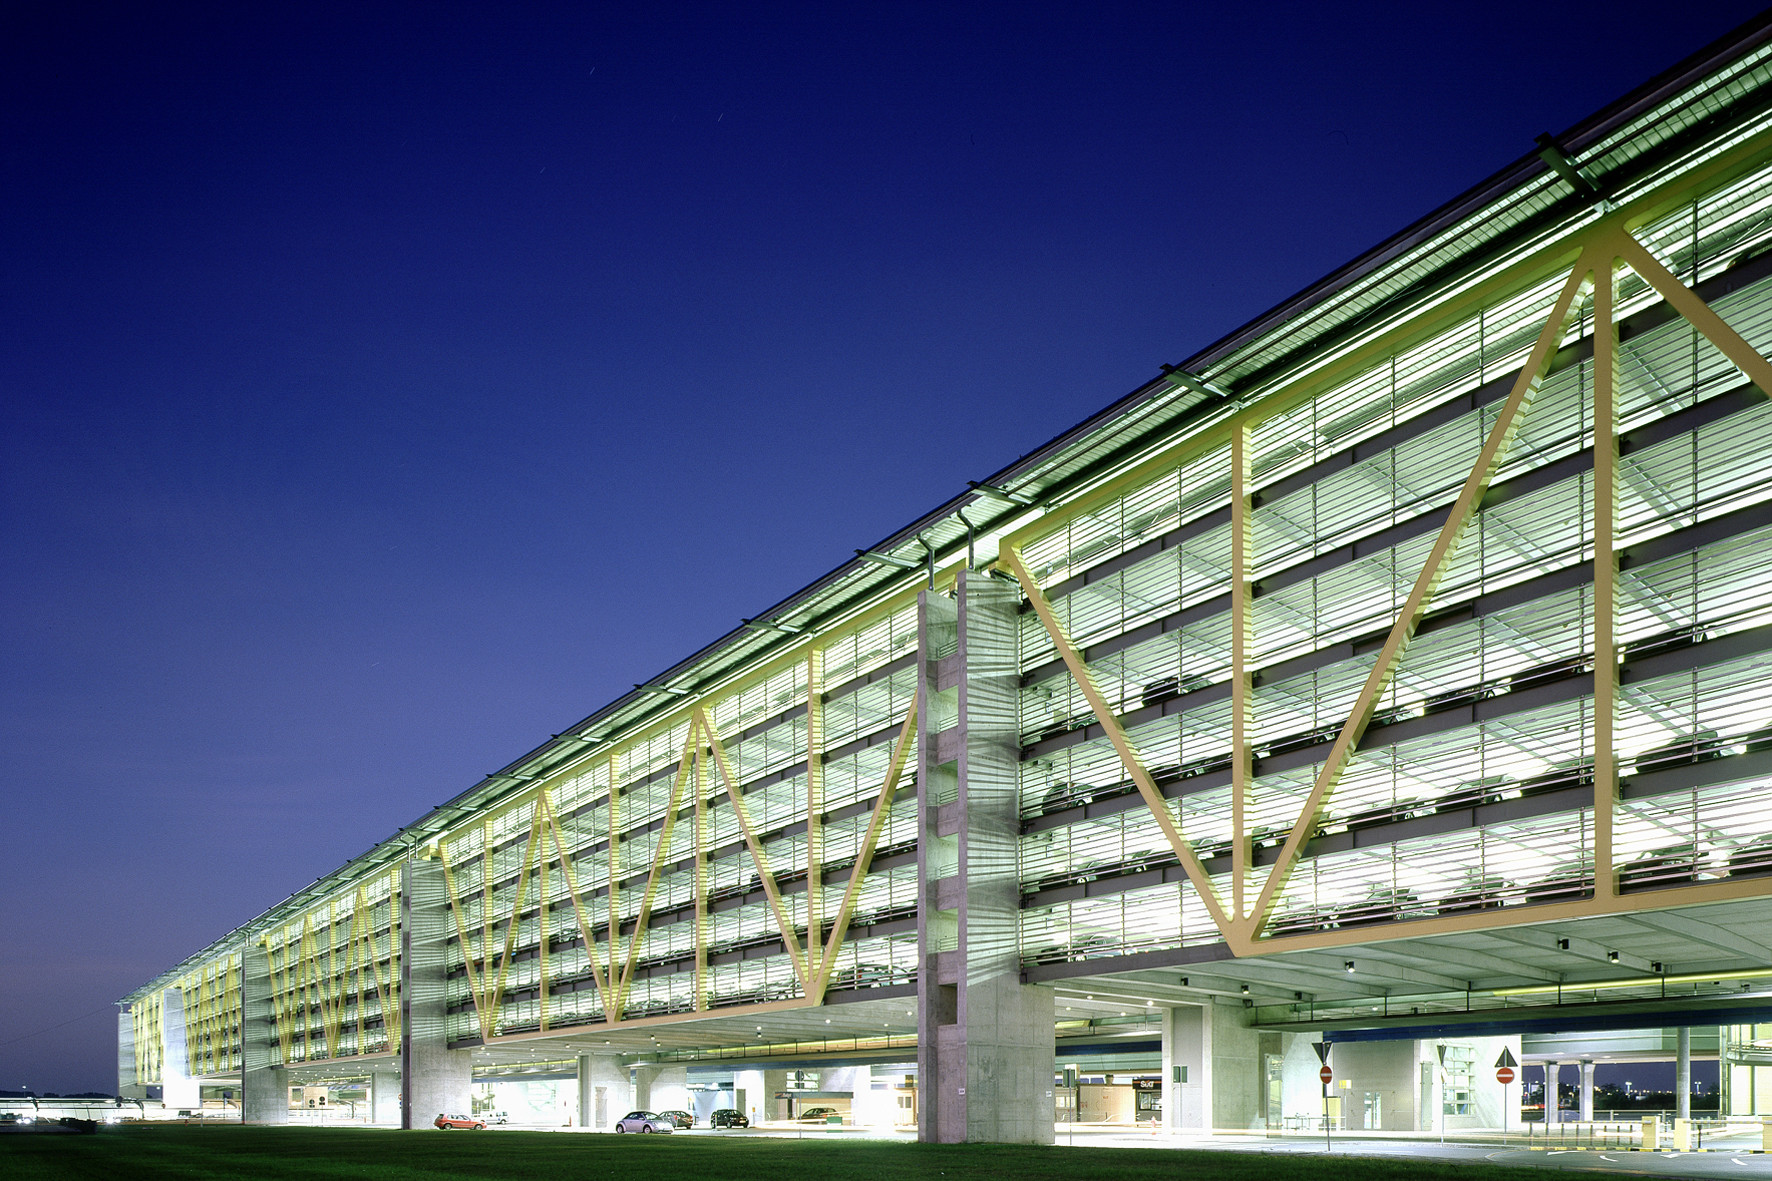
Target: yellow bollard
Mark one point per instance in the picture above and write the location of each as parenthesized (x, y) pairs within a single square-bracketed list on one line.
[(1651, 1135), (1682, 1135)]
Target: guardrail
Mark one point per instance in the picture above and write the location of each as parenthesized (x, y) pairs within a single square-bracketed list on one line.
[(1620, 1134)]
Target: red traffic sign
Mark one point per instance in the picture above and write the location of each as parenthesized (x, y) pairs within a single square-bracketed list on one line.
[(1504, 1075), (1327, 1075)]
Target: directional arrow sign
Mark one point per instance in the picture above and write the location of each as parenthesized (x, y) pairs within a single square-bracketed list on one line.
[(1506, 1059)]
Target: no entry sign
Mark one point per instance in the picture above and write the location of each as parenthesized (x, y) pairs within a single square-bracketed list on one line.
[(1504, 1075), (1327, 1075)]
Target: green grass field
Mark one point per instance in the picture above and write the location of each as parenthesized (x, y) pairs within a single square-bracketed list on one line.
[(130, 1153)]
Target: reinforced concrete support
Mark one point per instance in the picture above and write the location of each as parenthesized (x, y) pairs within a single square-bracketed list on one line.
[(1186, 1055), (437, 1079), (384, 1098), (1587, 1089), (604, 1092), (1233, 1082), (1552, 1107), (753, 1092), (1683, 1074), (264, 1085), (660, 1088), (985, 1048)]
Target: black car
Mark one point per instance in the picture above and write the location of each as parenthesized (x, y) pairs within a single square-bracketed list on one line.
[(728, 1117)]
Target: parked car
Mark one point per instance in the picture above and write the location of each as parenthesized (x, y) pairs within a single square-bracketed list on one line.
[(498, 1117), (644, 1121), (680, 1118), (728, 1117), (816, 1115), (445, 1122), (1675, 865)]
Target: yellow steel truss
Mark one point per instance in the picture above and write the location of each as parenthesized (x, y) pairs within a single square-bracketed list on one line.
[(147, 1024), (488, 949), (313, 976), (1601, 250), (211, 996)]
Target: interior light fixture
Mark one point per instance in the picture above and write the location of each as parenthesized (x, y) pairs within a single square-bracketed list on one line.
[(1612, 956), (1349, 965)]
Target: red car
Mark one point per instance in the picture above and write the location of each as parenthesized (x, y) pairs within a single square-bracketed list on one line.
[(446, 1122)]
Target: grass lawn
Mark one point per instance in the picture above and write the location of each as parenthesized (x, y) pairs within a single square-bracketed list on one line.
[(147, 1153)]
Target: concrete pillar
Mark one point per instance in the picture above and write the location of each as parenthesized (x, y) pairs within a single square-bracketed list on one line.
[(437, 1079), (1683, 1074), (985, 1041), (384, 1098), (178, 1090), (754, 1093), (264, 1083), (660, 1088), (1184, 1067), (1587, 1089), (604, 1093), (853, 1079), (1233, 1084), (1551, 1110)]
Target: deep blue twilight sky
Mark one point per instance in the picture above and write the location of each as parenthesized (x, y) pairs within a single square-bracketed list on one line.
[(383, 389)]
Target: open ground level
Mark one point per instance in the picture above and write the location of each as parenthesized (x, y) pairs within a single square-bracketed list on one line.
[(224, 1153)]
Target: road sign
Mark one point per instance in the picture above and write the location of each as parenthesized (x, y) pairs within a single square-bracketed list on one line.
[(1506, 1058), (1504, 1075), (1327, 1075), (1322, 1049)]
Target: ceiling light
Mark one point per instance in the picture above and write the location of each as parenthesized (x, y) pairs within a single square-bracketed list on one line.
[(1349, 965)]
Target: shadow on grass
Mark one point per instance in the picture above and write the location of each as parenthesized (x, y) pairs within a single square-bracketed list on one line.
[(149, 1153)]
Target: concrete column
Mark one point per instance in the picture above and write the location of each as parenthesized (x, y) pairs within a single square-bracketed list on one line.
[(604, 1093), (985, 1043), (1587, 1089), (384, 1098), (264, 1083), (1184, 1067), (437, 1079), (754, 1093), (660, 1088), (1551, 1070), (1683, 1074), (1234, 1081), (178, 1090)]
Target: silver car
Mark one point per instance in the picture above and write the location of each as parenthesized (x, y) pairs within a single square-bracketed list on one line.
[(644, 1121)]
